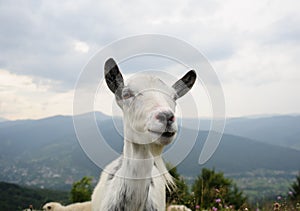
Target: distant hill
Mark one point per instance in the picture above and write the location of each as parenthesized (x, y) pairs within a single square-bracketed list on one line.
[(46, 153), (2, 119), (281, 130), (276, 130), (238, 155), (16, 197), (43, 152)]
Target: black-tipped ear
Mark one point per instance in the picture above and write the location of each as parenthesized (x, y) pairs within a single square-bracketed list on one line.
[(113, 77), (183, 85)]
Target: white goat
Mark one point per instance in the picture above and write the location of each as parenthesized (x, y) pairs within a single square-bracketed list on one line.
[(178, 208), (55, 206), (136, 181)]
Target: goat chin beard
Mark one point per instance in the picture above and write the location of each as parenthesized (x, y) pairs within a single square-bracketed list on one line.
[(156, 151)]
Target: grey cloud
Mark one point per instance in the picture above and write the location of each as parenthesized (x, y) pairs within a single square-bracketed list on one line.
[(287, 29), (284, 30), (36, 35), (36, 38)]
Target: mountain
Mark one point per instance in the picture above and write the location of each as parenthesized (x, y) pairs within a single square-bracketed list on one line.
[(2, 119), (238, 154), (276, 130), (281, 130), (46, 153), (43, 152), (16, 197)]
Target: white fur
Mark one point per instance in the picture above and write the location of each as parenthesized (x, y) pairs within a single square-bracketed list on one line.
[(178, 208), (55, 206), (140, 144), (136, 181)]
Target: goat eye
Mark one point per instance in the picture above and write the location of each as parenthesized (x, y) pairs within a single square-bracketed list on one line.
[(174, 97), (127, 94)]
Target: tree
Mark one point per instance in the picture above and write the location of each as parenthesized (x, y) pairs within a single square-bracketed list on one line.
[(212, 189), (295, 189), (82, 190)]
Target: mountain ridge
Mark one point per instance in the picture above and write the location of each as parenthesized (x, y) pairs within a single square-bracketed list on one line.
[(46, 153)]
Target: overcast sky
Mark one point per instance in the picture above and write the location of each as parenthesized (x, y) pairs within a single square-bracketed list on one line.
[(252, 45)]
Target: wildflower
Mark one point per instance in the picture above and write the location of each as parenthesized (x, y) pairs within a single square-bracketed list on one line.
[(197, 206), (246, 209), (290, 193), (215, 209), (278, 197), (276, 206), (217, 190), (218, 200)]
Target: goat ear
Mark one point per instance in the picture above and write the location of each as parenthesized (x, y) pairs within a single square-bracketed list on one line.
[(113, 77), (183, 85)]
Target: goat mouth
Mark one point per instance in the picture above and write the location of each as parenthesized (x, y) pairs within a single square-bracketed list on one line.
[(166, 134)]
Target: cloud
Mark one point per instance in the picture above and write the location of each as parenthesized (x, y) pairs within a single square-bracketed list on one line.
[(270, 98), (81, 46), (26, 97), (255, 65), (38, 40), (251, 44)]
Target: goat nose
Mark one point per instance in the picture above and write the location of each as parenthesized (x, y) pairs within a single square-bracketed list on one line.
[(166, 117)]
